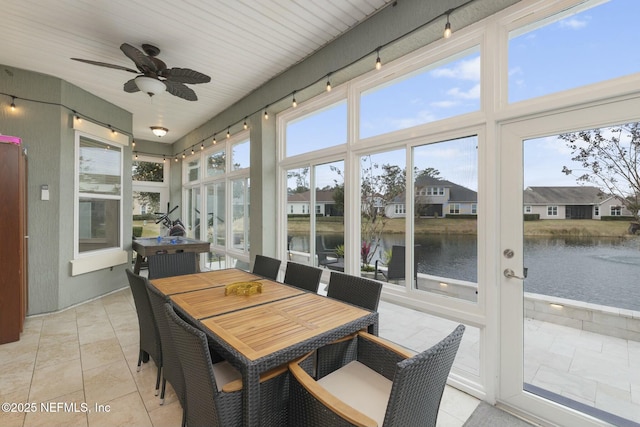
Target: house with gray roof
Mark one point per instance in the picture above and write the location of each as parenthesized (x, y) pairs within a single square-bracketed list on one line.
[(436, 197), (579, 202)]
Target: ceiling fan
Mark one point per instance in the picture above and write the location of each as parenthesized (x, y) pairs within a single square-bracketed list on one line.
[(153, 75)]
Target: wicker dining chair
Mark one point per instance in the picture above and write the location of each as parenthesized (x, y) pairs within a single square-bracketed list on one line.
[(149, 335), (367, 381), (171, 368), (214, 388), (166, 265), (303, 276), (355, 290), (266, 267)]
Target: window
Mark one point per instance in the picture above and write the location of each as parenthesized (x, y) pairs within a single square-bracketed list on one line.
[(454, 208), (433, 93), (527, 209), (596, 210), (616, 211), (193, 170), (303, 136), (568, 38), (150, 195), (98, 195), (240, 155), (400, 209), (474, 208), (552, 211), (216, 163)]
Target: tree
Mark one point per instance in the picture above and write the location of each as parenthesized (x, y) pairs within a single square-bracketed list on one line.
[(301, 178), (609, 158)]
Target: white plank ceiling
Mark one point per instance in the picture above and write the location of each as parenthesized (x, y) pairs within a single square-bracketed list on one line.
[(241, 44)]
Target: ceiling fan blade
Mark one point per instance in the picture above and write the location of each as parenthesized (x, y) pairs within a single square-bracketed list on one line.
[(180, 90), (142, 61), (131, 86), (104, 64), (185, 75)]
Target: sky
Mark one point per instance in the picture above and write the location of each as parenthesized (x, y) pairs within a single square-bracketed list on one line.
[(564, 52)]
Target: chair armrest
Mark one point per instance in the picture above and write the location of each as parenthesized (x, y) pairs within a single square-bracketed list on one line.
[(236, 385), (399, 350), (328, 400)]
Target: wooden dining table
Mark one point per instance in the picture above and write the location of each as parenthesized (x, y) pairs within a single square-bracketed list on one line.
[(264, 330)]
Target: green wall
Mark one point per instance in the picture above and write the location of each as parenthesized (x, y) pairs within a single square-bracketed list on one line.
[(46, 130)]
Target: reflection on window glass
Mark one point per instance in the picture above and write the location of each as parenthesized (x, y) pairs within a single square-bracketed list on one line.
[(193, 170), (240, 209), (322, 129), (329, 200), (216, 214), (445, 217), (433, 93), (193, 213), (99, 168), (583, 45), (216, 163), (298, 219), (382, 190), (240, 155), (147, 171), (98, 224)]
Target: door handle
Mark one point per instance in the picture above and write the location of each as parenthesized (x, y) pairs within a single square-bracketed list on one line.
[(510, 274)]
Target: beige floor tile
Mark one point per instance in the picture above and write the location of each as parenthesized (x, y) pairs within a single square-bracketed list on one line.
[(125, 411), (56, 380), (100, 353), (168, 415), (13, 418), (51, 354), (65, 411), (108, 382)]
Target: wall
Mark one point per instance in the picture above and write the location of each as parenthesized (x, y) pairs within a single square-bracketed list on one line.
[(47, 133)]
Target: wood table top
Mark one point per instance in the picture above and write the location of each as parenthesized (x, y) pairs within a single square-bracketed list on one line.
[(193, 282), (264, 329), (213, 301)]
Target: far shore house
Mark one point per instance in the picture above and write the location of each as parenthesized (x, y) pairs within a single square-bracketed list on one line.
[(436, 198), (298, 203), (571, 203)]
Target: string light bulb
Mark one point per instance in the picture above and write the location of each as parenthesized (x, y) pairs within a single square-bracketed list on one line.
[(447, 27), (136, 155), (192, 151), (13, 103), (201, 146), (244, 125), (133, 143), (76, 116), (184, 156), (164, 159), (228, 133), (378, 61), (214, 139), (294, 104), (266, 115), (175, 159), (328, 83)]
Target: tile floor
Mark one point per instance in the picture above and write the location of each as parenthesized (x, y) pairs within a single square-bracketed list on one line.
[(87, 355)]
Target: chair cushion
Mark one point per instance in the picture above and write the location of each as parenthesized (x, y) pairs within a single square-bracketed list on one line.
[(225, 373), (360, 387)]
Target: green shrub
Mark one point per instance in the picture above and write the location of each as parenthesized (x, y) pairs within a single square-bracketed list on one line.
[(531, 217), (137, 231)]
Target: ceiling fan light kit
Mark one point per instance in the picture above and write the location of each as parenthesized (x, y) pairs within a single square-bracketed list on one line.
[(149, 85), (159, 131)]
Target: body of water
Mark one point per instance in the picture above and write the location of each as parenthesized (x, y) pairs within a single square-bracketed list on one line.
[(602, 271)]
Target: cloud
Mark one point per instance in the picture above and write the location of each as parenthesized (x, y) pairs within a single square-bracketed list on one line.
[(423, 116), (473, 93), (465, 70), (444, 104), (574, 23)]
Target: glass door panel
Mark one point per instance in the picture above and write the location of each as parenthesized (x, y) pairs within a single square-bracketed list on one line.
[(216, 231), (569, 268), (329, 215)]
